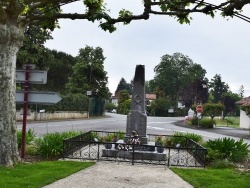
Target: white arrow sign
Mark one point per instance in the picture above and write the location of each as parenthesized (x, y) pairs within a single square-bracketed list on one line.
[(35, 97), (36, 76)]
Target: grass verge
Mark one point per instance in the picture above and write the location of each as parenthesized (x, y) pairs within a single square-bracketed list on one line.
[(34, 175), (228, 122), (214, 178)]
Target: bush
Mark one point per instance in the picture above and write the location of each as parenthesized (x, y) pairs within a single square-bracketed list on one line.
[(181, 138), (178, 138), (51, 145), (207, 123), (113, 137), (227, 149), (195, 137), (109, 106), (221, 163), (194, 121), (32, 149), (124, 107), (30, 137)]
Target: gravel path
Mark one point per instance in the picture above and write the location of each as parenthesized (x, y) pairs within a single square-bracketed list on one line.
[(123, 175)]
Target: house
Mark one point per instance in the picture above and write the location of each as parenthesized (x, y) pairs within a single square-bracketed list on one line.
[(244, 118), (148, 99), (114, 100)]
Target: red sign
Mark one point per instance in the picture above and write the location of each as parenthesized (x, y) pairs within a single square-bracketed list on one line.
[(199, 109)]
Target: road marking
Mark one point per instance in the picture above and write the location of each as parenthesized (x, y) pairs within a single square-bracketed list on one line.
[(156, 128), (166, 122)]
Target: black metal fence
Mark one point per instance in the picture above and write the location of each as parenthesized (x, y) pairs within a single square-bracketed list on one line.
[(182, 151)]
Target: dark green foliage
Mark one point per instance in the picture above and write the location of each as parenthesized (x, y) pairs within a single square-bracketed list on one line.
[(59, 71), (212, 109), (89, 74), (30, 137), (218, 89), (51, 144), (195, 137), (123, 85), (160, 141), (160, 106), (221, 163), (123, 102), (33, 50), (176, 76), (246, 108), (109, 106), (179, 138), (229, 101), (69, 102), (227, 148), (207, 123), (113, 137), (204, 122), (194, 121), (124, 108)]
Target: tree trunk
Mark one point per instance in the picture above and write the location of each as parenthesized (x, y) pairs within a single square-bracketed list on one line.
[(11, 37)]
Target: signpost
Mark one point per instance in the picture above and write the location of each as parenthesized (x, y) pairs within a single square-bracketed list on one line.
[(35, 76), (29, 76), (199, 110), (38, 97)]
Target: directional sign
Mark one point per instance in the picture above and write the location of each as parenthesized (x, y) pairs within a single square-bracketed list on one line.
[(36, 76), (199, 108), (35, 97)]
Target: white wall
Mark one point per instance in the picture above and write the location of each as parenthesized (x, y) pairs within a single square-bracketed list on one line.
[(244, 120), (50, 116)]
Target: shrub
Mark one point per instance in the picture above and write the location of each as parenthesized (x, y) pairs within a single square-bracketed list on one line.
[(51, 145), (227, 149), (109, 106), (207, 123), (181, 138), (30, 137), (113, 137), (194, 121), (32, 149), (195, 137), (221, 163), (178, 138)]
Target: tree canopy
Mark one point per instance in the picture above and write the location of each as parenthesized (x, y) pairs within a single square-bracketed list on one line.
[(88, 73), (177, 77), (218, 88), (123, 85), (46, 13)]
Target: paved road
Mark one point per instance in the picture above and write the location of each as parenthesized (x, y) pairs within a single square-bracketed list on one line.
[(117, 122)]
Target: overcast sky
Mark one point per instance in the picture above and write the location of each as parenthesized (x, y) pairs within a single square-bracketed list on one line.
[(219, 46)]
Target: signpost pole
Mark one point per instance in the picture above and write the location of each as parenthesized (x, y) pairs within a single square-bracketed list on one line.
[(199, 110), (25, 105)]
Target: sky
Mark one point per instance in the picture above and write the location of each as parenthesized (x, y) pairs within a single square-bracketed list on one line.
[(219, 45)]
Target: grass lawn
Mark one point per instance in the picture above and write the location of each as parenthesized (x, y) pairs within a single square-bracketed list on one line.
[(214, 178), (229, 121), (39, 174)]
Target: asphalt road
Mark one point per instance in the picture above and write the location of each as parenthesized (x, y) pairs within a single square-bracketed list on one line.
[(117, 122)]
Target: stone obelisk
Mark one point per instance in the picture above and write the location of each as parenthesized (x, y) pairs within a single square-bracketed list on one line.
[(137, 118)]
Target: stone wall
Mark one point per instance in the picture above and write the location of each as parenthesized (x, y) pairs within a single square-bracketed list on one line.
[(41, 116)]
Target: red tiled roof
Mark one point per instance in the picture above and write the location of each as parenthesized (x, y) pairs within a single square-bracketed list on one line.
[(150, 96), (244, 102)]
